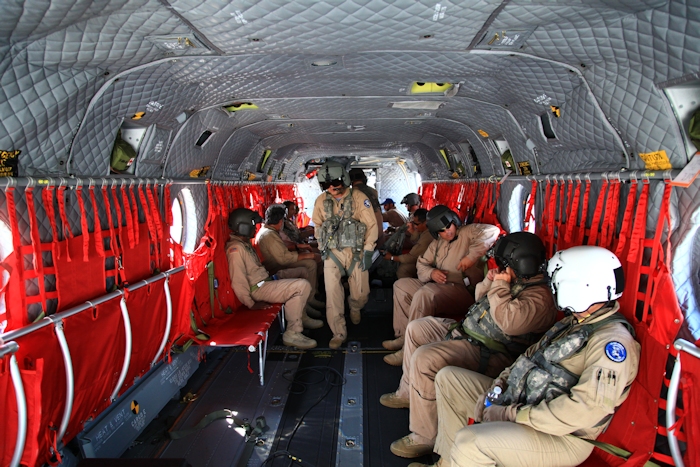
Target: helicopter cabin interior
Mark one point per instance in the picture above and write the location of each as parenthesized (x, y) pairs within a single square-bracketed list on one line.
[(130, 129)]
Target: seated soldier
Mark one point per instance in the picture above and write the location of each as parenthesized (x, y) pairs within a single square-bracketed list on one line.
[(254, 286), (295, 238), (514, 308), (412, 202), (392, 215), (276, 256), (561, 392), (450, 258), (407, 262)]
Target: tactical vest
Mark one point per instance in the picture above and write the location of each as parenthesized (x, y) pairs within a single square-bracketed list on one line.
[(291, 231), (541, 377), (395, 243), (478, 325), (341, 230)]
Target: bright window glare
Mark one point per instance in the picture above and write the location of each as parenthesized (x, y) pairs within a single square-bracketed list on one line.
[(176, 228), (184, 228), (5, 249)]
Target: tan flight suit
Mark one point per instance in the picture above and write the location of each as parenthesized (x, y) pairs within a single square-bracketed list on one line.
[(373, 196), (415, 298), (246, 272), (394, 218), (359, 279), (407, 268), (426, 351), (276, 256), (538, 437)]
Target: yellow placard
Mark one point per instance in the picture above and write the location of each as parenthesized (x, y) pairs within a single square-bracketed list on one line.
[(483, 133), (657, 160)]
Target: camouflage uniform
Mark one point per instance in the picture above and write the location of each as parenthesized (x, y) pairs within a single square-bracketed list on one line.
[(606, 366)]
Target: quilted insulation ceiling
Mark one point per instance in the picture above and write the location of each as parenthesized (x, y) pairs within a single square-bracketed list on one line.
[(73, 71)]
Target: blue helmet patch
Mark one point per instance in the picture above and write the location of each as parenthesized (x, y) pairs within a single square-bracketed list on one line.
[(615, 351), (367, 203)]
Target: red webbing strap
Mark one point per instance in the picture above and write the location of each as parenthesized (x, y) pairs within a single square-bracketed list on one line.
[(135, 213), (129, 218), (155, 209), (657, 254), (584, 214), (572, 219), (613, 207), (113, 243), (47, 200), (83, 224), (593, 233), (626, 220), (220, 200), (545, 211), (631, 264), (147, 210), (531, 203), (38, 261), (65, 226), (210, 207), (168, 205), (118, 210), (639, 229), (17, 248), (559, 219), (551, 210), (97, 225)]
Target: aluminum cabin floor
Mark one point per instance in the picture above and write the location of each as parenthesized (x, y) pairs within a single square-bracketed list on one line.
[(304, 385)]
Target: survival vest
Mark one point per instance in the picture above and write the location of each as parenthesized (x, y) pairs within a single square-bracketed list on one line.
[(479, 327), (341, 230), (541, 377), (395, 243)]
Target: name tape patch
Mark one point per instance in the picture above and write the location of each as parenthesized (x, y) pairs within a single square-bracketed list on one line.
[(615, 351)]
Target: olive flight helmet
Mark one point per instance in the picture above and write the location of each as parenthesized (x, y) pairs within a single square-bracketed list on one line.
[(584, 275), (411, 199), (523, 252), (440, 218), (332, 173), (357, 174), (242, 222)]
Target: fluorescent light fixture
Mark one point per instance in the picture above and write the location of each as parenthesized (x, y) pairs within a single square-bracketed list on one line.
[(423, 105)]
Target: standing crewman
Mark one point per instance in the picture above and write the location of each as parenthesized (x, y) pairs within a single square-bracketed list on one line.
[(358, 179), (276, 256), (514, 307), (253, 285), (346, 231), (449, 259), (562, 391)]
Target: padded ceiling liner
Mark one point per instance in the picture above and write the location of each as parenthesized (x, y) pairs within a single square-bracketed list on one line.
[(72, 71)]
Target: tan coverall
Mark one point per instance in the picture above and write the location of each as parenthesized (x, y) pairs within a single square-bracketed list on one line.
[(394, 218), (246, 271), (359, 279), (426, 351), (276, 256), (415, 298), (539, 434), (373, 196), (407, 268)]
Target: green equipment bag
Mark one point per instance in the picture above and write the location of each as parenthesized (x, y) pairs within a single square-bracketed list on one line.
[(123, 155)]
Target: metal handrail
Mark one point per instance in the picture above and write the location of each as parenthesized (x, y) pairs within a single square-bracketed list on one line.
[(168, 320), (11, 348), (681, 345)]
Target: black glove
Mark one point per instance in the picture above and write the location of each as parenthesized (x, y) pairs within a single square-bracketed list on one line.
[(367, 260)]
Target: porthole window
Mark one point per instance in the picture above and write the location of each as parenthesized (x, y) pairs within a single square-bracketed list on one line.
[(184, 228)]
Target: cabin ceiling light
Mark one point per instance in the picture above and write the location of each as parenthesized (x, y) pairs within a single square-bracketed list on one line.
[(423, 105), (324, 62)]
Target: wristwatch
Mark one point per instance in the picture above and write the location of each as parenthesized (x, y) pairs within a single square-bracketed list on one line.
[(392, 258)]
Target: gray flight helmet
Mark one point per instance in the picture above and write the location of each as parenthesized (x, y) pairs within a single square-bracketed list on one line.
[(242, 222), (330, 172), (523, 252), (440, 217)]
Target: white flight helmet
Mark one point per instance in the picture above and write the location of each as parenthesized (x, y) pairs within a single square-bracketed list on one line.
[(583, 275)]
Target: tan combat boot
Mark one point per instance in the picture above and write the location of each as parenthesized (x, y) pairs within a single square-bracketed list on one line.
[(394, 344), (336, 342), (394, 359), (298, 340), (394, 401), (355, 316)]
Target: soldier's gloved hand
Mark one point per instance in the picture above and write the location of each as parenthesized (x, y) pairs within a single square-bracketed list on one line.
[(500, 413), (367, 260), (479, 408)]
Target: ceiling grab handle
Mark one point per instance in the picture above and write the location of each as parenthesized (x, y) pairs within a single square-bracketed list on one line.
[(127, 350)]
